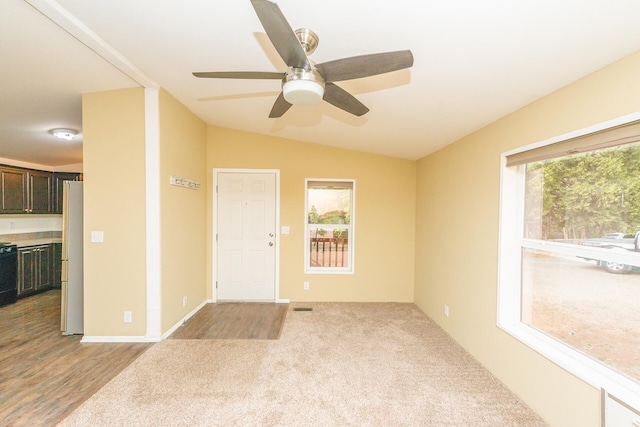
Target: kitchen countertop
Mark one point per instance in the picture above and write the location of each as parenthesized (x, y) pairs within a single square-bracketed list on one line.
[(32, 239)]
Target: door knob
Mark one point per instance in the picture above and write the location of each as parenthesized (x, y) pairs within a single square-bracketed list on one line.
[(270, 234), (270, 243)]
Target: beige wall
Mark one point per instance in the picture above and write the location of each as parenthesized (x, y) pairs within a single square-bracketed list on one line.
[(385, 213), (457, 237), (183, 211), (114, 202)]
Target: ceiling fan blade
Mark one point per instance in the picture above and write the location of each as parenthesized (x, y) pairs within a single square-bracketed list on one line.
[(356, 67), (279, 107), (280, 33), (342, 99), (240, 75)]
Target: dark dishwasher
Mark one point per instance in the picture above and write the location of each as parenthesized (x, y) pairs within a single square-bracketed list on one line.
[(8, 273)]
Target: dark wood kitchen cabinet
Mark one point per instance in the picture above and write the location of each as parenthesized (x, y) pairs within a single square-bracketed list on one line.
[(58, 179), (34, 269), (25, 191), (13, 190), (56, 261), (40, 191)]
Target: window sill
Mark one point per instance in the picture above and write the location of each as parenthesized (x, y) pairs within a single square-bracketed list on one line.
[(587, 369), (334, 271)]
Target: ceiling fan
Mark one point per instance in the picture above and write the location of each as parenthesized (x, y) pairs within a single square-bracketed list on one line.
[(307, 83)]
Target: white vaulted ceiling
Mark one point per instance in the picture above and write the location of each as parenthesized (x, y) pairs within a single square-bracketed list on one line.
[(474, 62)]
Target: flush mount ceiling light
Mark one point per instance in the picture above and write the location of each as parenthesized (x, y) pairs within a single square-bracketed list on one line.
[(64, 133)]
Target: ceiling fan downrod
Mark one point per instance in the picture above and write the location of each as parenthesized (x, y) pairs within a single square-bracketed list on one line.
[(308, 39)]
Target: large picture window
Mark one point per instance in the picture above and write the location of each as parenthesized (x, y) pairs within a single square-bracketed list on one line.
[(329, 226), (570, 255)]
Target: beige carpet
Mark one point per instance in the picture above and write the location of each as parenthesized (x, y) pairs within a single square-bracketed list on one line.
[(342, 364)]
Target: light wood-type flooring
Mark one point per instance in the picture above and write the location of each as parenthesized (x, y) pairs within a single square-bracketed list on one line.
[(44, 375), (231, 320)]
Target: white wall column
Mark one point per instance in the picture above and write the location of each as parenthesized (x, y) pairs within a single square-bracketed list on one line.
[(152, 149)]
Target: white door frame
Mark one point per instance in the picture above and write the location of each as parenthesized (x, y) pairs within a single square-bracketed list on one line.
[(214, 218)]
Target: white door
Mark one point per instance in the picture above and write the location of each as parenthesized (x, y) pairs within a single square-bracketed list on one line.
[(246, 241)]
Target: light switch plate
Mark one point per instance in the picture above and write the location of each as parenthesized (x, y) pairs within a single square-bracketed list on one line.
[(285, 229), (97, 236)]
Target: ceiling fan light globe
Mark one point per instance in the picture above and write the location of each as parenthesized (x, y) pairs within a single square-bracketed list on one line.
[(302, 92)]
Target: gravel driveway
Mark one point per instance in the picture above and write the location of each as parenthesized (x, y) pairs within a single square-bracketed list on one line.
[(585, 306)]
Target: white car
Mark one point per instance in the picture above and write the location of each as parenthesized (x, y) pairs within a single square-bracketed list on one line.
[(618, 236)]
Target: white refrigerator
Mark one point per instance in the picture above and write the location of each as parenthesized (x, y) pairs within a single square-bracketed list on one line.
[(72, 313)]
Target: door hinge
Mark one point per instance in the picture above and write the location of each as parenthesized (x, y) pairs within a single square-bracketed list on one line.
[(216, 284)]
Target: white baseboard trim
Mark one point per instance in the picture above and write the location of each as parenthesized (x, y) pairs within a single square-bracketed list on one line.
[(141, 338), (110, 338), (183, 320)]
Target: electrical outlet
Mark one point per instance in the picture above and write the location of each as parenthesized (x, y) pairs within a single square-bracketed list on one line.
[(446, 310), (127, 317), (306, 286), (184, 301)]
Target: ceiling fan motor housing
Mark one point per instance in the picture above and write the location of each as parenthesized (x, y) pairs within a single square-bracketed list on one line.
[(303, 87)]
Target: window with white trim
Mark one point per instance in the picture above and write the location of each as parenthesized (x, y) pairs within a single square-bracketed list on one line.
[(569, 252), (329, 229)]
